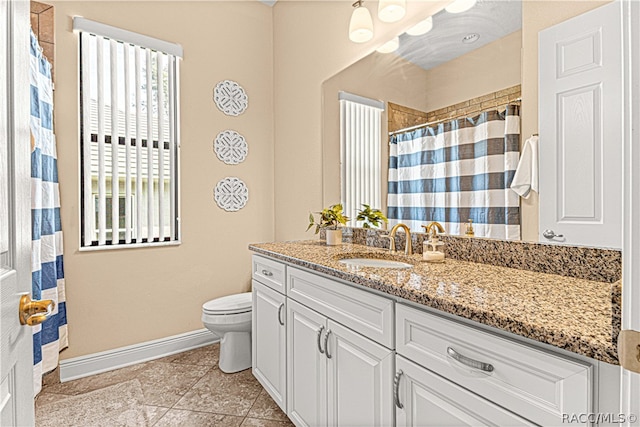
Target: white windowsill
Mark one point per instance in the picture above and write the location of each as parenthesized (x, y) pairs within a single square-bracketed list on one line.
[(128, 246)]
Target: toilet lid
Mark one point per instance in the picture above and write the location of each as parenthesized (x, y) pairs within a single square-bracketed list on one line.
[(231, 304)]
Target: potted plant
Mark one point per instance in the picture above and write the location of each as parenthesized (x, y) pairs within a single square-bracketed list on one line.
[(371, 217), (329, 219)]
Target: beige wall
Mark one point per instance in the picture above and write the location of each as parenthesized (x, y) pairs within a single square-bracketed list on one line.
[(391, 79), (491, 68), (121, 297), (310, 45), (377, 76), (538, 15)]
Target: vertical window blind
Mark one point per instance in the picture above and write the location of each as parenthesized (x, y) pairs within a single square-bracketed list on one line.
[(129, 137), (360, 150)]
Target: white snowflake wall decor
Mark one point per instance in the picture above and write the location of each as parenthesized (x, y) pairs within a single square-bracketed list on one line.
[(231, 194), (230, 98), (230, 147)]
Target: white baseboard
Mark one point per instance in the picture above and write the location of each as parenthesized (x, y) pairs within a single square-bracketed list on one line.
[(96, 363)]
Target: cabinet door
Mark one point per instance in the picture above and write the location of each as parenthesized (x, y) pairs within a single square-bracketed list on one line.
[(269, 341), (359, 379), (428, 399), (306, 366)]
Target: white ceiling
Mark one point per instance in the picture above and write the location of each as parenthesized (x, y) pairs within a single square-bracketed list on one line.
[(491, 19)]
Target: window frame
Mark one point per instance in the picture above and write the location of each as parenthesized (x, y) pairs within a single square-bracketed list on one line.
[(353, 136), (172, 53)]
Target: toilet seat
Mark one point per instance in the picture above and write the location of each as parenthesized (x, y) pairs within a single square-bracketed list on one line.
[(231, 304)]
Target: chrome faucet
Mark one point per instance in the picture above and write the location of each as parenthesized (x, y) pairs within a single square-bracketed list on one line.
[(432, 228), (392, 241)]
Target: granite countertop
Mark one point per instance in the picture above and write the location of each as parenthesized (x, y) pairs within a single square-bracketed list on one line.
[(578, 315)]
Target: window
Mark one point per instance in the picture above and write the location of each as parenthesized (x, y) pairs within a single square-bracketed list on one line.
[(360, 151), (129, 137), (122, 224)]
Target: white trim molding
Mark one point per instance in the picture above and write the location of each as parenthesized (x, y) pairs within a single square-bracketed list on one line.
[(96, 363), (630, 389)]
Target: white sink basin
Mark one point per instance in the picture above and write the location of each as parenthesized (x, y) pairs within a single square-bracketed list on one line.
[(374, 262)]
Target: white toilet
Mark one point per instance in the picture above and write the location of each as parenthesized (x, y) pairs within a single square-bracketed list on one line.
[(230, 319)]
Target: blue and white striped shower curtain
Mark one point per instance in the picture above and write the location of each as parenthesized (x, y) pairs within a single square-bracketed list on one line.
[(457, 171), (47, 275)]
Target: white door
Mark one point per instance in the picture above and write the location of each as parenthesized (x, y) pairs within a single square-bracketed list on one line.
[(360, 379), (306, 366), (581, 129), (16, 359), (269, 341), (427, 399)]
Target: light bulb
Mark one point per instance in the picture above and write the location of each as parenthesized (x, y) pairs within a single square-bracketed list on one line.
[(460, 6), (361, 25), (389, 46), (422, 27), (391, 10)]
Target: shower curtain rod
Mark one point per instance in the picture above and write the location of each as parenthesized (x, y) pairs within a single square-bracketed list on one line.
[(447, 119)]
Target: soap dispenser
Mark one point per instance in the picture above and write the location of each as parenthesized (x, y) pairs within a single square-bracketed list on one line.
[(433, 249), (469, 232)]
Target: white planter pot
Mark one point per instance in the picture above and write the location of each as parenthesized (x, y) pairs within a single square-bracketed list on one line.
[(334, 237)]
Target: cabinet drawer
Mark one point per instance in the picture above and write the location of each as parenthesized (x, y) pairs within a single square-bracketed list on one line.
[(268, 272), (532, 383), (364, 312)]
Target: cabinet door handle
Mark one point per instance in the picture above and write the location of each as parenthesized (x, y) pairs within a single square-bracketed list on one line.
[(319, 335), (326, 342), (267, 273), (483, 366), (396, 389), (280, 314)]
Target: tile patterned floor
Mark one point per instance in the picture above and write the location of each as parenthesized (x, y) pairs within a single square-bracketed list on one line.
[(186, 389)]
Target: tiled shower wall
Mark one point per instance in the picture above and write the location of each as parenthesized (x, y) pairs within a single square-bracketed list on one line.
[(42, 26), (401, 117)]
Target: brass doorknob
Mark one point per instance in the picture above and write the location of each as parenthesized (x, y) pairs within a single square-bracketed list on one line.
[(34, 312)]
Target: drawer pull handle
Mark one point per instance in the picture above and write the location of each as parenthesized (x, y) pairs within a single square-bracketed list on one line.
[(326, 341), (486, 367), (267, 273), (280, 314), (319, 335), (396, 389)]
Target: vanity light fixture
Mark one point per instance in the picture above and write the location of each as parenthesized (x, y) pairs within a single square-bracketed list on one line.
[(391, 10), (389, 46), (422, 27), (361, 24), (459, 6)]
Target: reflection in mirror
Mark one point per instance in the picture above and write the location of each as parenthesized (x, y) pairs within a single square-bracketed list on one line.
[(458, 78)]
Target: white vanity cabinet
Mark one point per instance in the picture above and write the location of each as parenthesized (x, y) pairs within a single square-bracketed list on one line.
[(535, 384), (268, 338), (338, 376), (426, 399), (332, 354)]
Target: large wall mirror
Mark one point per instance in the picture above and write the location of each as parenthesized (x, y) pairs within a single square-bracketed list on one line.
[(480, 61)]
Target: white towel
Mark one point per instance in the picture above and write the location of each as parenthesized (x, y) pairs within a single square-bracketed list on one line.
[(526, 176)]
